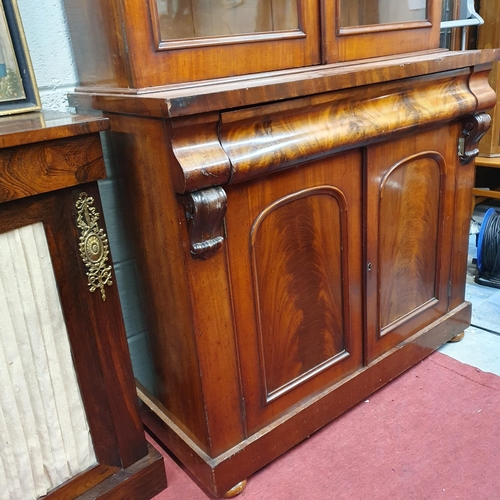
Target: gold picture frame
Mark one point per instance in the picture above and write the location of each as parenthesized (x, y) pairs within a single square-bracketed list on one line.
[(18, 89)]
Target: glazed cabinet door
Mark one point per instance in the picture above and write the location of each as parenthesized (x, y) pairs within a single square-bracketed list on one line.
[(139, 44), (294, 245), (359, 29), (410, 213)]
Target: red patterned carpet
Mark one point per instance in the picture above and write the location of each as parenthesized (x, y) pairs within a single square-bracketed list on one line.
[(433, 433)]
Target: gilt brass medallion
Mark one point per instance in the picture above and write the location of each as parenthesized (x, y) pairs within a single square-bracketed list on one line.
[(94, 247)]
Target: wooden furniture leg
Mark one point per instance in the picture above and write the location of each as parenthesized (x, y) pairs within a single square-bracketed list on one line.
[(236, 490), (457, 338)]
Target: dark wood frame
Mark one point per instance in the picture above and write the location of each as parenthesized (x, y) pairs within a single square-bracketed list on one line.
[(221, 40)]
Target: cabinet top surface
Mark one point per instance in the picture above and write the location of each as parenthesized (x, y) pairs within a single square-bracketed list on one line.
[(228, 93), (31, 128), (47, 151)]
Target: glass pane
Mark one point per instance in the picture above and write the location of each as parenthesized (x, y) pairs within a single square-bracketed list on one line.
[(366, 12), (205, 18)]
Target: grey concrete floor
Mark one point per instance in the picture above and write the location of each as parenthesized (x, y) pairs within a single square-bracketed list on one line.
[(481, 345)]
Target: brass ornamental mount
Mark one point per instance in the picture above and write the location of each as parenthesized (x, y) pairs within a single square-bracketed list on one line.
[(94, 247)]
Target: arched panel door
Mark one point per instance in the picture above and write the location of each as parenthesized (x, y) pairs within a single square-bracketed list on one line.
[(299, 280), (410, 204), (294, 245)]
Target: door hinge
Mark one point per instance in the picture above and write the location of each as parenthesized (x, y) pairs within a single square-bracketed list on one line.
[(449, 289)]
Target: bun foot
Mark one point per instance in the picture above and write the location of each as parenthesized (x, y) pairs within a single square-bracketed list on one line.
[(236, 490), (457, 338)]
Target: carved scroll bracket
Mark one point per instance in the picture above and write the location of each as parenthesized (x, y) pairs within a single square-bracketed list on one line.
[(474, 127), (205, 211), (202, 161)]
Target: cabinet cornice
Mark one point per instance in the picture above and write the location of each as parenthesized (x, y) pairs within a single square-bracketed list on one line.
[(171, 101)]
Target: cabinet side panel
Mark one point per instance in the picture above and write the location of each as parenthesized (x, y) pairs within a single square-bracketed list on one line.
[(140, 150), (461, 227), (98, 42)]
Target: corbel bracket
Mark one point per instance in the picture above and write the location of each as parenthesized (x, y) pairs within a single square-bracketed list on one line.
[(205, 211), (474, 127)]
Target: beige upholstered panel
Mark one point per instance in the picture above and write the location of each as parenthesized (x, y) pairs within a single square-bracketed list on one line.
[(44, 432)]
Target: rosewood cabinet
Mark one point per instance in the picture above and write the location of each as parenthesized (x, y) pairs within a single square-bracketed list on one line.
[(70, 420), (301, 233)]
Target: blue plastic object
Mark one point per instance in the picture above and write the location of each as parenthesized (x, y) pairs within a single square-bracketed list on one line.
[(480, 242)]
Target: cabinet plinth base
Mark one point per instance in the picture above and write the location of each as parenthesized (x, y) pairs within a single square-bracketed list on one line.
[(219, 474), (141, 481)]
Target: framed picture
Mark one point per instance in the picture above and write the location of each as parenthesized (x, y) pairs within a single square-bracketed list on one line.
[(18, 90)]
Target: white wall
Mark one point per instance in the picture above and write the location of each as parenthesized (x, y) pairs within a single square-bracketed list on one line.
[(48, 41), (49, 45)]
